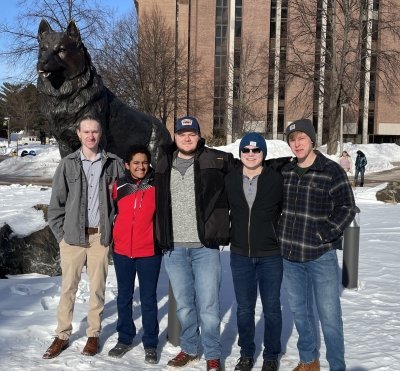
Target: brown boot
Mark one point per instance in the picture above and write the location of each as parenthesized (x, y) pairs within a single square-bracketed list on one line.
[(57, 346), (313, 366), (182, 359), (92, 346)]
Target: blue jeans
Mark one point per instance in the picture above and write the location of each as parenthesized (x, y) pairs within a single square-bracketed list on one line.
[(195, 277), (317, 279), (247, 274), (361, 172), (148, 270)]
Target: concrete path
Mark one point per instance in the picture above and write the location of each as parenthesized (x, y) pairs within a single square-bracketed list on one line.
[(383, 176)]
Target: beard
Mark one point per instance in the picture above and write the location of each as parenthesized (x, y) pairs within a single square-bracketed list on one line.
[(187, 153)]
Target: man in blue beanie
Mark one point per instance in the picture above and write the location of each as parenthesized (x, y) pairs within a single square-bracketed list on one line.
[(255, 193)]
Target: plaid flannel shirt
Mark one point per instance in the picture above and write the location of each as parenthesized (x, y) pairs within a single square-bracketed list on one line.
[(317, 208)]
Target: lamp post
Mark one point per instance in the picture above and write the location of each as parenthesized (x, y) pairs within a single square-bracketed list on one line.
[(343, 105), (8, 130)]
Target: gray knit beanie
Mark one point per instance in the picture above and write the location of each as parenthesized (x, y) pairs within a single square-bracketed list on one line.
[(303, 125)]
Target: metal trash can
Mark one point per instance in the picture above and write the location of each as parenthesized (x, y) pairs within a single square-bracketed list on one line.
[(174, 327), (351, 247)]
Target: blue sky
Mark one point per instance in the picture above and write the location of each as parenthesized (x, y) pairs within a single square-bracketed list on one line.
[(9, 10)]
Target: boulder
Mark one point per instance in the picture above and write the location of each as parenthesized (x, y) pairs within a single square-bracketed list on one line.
[(390, 194), (37, 253)]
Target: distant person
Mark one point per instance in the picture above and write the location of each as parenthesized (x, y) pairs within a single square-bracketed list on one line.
[(346, 162), (255, 193), (134, 253), (192, 221), (318, 205), (361, 162), (80, 216), (42, 136)]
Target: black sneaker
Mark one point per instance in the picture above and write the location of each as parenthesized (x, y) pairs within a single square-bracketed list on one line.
[(119, 350), (150, 356), (270, 365), (244, 364)]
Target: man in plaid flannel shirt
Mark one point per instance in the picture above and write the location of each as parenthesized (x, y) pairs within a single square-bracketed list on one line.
[(318, 206)]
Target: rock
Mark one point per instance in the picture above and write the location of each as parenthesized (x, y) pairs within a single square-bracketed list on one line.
[(391, 194), (37, 253)]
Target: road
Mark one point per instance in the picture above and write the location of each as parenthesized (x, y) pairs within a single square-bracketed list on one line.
[(7, 179), (383, 176), (370, 179), (25, 180)]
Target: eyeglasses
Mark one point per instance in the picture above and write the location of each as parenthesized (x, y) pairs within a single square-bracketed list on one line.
[(253, 150)]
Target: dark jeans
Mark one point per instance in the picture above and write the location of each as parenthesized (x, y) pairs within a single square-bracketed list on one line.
[(148, 270), (247, 274), (361, 172)]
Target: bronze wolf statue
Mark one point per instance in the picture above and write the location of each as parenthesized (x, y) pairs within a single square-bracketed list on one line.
[(70, 88)]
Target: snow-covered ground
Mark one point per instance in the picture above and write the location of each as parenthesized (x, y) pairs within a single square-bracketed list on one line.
[(371, 313)]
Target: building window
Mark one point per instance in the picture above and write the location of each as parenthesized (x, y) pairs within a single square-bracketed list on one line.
[(221, 28)]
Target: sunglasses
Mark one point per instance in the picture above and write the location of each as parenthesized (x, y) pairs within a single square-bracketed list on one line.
[(253, 150)]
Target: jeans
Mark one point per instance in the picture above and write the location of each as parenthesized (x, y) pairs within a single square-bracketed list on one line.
[(317, 279), (361, 172), (247, 274), (195, 277), (147, 269)]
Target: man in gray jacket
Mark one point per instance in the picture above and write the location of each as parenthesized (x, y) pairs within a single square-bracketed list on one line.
[(80, 216)]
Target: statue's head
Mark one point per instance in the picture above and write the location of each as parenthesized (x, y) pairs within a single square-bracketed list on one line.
[(62, 55)]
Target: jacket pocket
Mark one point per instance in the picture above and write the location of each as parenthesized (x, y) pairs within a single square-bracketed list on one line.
[(73, 178)]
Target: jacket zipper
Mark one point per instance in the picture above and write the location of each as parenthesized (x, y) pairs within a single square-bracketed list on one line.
[(248, 230), (133, 222), (295, 217)]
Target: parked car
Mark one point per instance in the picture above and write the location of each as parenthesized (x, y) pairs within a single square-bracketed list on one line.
[(28, 153)]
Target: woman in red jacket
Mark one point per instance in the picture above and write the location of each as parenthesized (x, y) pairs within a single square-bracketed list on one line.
[(134, 252)]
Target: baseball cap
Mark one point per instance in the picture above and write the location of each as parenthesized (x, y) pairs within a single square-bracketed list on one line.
[(187, 123)]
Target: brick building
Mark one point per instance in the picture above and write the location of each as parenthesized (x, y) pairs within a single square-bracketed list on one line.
[(250, 81)]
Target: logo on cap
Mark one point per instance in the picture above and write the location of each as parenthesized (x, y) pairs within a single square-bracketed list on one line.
[(253, 143), (292, 127), (186, 122)]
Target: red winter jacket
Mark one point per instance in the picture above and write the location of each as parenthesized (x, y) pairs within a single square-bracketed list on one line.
[(133, 226)]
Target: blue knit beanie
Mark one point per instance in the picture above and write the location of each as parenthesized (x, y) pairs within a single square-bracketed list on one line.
[(253, 139)]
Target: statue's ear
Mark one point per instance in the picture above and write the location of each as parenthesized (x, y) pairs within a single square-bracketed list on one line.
[(43, 28), (73, 32)]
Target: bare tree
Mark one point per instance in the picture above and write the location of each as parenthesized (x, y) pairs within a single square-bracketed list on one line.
[(117, 60), (334, 57), (249, 74), (138, 62), (21, 34)]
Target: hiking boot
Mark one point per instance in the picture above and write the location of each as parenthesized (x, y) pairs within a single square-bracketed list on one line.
[(92, 346), (150, 356), (56, 347), (244, 364), (312, 366), (119, 350), (182, 359), (270, 365), (213, 365)]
